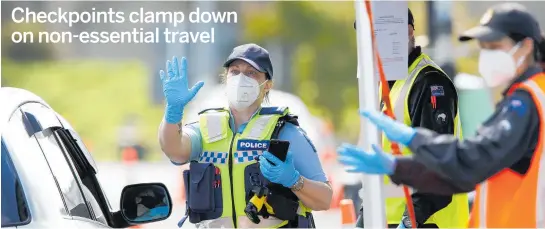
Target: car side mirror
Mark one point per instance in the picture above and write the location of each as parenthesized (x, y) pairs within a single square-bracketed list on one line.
[(145, 203)]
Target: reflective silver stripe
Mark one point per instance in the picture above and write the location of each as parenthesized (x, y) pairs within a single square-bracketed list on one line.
[(259, 125), (390, 189), (540, 192), (482, 204), (214, 126), (399, 107)]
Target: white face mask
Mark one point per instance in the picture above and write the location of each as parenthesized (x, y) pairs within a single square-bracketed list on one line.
[(242, 91), (498, 67)]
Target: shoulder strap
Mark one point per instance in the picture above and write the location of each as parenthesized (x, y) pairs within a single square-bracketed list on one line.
[(281, 122)]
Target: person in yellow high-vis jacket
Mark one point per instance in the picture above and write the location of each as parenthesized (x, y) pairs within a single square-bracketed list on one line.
[(227, 150), (426, 98)]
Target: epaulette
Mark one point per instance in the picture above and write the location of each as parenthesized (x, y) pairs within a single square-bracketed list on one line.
[(212, 109)]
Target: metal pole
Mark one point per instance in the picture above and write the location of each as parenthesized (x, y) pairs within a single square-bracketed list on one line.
[(373, 201)]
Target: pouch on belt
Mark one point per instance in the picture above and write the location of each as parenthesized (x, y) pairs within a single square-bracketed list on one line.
[(201, 187)]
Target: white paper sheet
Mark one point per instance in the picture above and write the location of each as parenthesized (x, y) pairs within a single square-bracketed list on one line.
[(390, 20)]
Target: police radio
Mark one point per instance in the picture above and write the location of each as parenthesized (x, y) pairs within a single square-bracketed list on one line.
[(256, 203), (279, 149)]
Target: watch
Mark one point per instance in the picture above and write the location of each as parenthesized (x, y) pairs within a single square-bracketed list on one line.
[(298, 185), (406, 221)]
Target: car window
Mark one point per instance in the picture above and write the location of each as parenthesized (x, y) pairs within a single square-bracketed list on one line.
[(14, 206), (24, 149), (84, 149), (87, 178), (95, 206), (73, 198), (42, 117)]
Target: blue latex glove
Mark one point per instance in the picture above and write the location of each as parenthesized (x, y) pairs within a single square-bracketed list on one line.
[(401, 225), (175, 89), (395, 131), (358, 161), (282, 172)]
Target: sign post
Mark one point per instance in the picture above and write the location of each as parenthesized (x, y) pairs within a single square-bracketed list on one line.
[(373, 199)]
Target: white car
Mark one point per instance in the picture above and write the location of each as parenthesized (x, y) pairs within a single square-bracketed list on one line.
[(49, 178)]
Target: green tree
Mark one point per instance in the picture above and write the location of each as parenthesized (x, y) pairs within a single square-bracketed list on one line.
[(323, 54)]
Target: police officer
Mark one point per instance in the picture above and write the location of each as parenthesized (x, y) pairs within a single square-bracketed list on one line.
[(232, 138), (427, 99), (505, 161)]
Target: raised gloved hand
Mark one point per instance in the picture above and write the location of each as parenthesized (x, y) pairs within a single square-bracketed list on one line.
[(395, 131), (282, 172), (358, 161), (175, 89)]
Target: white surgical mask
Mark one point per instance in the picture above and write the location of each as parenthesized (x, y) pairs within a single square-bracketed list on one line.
[(242, 91), (498, 67)]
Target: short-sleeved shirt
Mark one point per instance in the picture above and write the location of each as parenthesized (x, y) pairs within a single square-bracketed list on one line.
[(305, 158)]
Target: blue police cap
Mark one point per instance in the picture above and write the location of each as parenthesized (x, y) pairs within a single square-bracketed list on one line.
[(254, 55), (504, 20)]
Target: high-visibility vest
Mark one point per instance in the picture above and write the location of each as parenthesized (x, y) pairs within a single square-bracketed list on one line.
[(221, 147), (511, 200), (456, 214)]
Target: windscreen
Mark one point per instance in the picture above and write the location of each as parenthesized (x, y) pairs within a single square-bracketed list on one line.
[(14, 207)]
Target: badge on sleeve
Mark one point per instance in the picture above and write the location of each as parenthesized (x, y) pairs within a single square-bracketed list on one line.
[(437, 90), (249, 145), (441, 118), (517, 106)]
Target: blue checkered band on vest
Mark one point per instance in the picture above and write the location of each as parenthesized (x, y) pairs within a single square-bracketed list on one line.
[(214, 157), (246, 156)]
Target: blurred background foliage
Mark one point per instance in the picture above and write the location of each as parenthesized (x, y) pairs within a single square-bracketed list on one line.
[(96, 95), (77, 90), (324, 64)]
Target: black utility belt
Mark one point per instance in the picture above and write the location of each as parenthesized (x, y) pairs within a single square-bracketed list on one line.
[(203, 190)]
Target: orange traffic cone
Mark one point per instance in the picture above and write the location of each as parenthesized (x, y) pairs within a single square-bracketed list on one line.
[(129, 155), (348, 216)]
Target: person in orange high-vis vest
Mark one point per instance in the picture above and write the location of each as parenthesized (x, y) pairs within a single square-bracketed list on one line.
[(509, 199), (505, 161)]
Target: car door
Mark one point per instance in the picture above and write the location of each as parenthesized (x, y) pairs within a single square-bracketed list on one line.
[(76, 199), (15, 210), (45, 205)]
